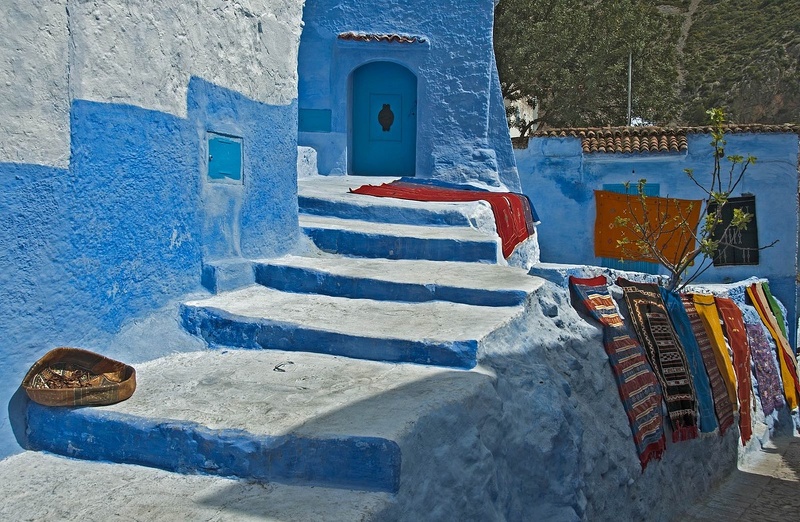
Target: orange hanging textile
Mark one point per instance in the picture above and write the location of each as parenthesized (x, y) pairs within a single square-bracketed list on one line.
[(673, 238)]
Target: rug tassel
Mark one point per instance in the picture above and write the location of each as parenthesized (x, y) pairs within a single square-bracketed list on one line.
[(685, 433), (724, 428), (653, 451)]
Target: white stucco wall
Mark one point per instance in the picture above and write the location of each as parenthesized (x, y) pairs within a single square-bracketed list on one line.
[(34, 85), (137, 53), (143, 53)]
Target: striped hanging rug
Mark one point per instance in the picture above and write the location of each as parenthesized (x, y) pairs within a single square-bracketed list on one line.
[(737, 338), (722, 403), (707, 308), (788, 363), (776, 309), (637, 384), (766, 369), (666, 355), (683, 328)]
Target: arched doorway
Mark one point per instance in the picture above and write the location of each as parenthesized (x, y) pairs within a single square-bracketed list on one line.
[(384, 120)]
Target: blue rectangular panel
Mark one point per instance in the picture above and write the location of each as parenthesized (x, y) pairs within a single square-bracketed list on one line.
[(314, 120), (650, 189), (224, 158)]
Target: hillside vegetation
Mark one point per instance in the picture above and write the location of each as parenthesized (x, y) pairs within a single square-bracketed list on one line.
[(568, 60), (743, 55)]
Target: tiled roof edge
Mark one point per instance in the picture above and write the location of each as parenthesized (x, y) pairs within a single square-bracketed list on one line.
[(629, 140), (580, 132)]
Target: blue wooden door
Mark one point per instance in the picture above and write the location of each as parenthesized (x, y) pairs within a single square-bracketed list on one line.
[(384, 120)]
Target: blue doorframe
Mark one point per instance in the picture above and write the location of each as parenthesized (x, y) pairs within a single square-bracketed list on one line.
[(383, 120)]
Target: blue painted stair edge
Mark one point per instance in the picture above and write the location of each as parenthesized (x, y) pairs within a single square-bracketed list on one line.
[(221, 329), (350, 243), (381, 214), (364, 463), (311, 281)]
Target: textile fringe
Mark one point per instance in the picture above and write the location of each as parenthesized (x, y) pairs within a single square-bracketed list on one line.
[(653, 451), (685, 433)]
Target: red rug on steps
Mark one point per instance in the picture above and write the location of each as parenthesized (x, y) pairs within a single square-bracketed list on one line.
[(513, 213)]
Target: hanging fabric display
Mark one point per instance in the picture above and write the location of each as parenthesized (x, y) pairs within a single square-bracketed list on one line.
[(766, 369), (788, 364), (702, 387), (737, 338), (776, 309), (707, 308), (637, 384), (666, 355), (719, 391)]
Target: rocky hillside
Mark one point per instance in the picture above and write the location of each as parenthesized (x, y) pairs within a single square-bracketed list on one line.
[(743, 55)]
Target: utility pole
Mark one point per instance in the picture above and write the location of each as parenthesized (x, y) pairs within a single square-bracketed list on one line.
[(630, 74)]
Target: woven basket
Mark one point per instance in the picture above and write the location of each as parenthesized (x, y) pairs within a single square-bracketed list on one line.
[(103, 380)]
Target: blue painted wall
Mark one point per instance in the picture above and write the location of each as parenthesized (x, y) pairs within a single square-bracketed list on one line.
[(126, 228), (455, 73), (560, 179)]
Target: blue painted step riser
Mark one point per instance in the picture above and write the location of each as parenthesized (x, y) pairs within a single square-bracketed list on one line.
[(218, 329), (392, 247), (365, 463), (379, 214), (308, 281)]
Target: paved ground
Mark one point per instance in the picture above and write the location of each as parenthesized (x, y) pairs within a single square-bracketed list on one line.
[(39, 487), (766, 488)]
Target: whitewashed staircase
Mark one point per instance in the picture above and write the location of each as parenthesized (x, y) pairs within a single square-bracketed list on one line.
[(319, 398)]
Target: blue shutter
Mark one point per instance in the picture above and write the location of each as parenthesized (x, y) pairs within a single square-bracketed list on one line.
[(224, 158)]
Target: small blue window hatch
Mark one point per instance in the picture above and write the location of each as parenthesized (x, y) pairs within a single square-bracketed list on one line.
[(224, 158)]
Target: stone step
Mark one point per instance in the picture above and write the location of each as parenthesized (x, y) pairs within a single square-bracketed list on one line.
[(271, 416), (434, 332), (48, 487), (401, 280), (351, 237), (330, 196)]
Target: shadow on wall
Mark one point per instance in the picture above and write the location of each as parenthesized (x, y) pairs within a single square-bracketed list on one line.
[(125, 229)]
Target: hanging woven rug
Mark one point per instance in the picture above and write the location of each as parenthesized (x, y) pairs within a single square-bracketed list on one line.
[(666, 355), (702, 387), (637, 384), (766, 369), (722, 403), (737, 338)]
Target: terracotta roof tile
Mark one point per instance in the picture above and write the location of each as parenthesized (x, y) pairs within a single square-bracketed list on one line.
[(377, 37), (628, 140)]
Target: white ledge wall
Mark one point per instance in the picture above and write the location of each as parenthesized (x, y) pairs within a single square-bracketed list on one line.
[(34, 83)]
